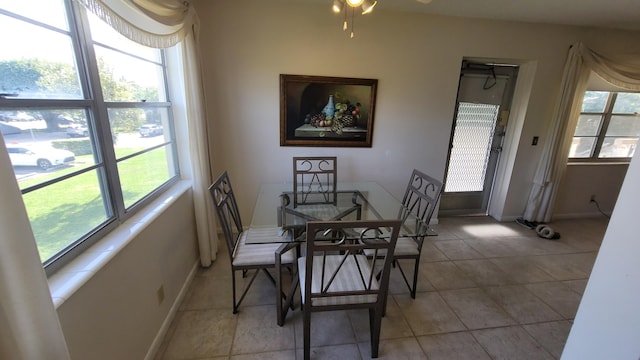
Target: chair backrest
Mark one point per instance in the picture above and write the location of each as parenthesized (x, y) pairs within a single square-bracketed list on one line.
[(336, 271), (314, 180), (227, 210), (421, 195)]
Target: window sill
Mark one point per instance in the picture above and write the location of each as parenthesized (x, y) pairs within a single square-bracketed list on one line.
[(596, 163), (65, 282)]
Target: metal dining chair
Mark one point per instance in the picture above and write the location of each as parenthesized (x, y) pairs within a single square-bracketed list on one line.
[(336, 275), (246, 257), (420, 198), (314, 180), (314, 187)]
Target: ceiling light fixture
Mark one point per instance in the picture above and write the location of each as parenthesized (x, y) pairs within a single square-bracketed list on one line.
[(339, 6)]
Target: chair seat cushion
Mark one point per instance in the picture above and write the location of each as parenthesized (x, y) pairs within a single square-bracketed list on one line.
[(405, 246), (261, 254), (348, 278)]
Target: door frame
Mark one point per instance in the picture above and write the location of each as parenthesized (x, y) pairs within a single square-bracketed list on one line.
[(498, 206)]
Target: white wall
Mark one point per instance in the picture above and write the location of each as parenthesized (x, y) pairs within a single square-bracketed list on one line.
[(607, 324), (116, 314), (416, 58), (581, 181)]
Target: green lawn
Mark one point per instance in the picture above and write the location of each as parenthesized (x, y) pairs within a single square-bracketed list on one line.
[(62, 213)]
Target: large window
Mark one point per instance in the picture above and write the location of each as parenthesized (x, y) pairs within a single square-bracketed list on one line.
[(608, 127), (86, 119)]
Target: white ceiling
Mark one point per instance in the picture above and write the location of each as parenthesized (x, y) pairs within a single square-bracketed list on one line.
[(616, 14)]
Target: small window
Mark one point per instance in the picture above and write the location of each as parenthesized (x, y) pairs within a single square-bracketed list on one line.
[(608, 127)]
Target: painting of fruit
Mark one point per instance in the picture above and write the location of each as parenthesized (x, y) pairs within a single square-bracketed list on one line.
[(326, 111)]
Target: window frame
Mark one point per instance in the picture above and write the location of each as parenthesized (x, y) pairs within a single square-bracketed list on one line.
[(606, 116), (99, 127)]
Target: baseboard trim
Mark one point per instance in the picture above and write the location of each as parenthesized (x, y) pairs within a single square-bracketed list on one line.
[(578, 215)]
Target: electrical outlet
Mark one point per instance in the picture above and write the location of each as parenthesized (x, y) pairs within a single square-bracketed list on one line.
[(160, 294), (593, 198)]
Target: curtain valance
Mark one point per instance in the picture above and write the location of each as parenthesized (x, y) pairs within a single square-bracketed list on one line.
[(622, 71), (153, 23)]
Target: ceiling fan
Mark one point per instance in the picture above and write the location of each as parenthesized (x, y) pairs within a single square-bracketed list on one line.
[(346, 6)]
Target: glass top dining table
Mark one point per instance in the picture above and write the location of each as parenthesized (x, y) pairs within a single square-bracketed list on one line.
[(354, 201)]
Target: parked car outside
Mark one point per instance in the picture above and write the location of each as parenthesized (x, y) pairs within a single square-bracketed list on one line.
[(77, 131), (42, 157), (64, 120), (22, 116), (150, 130)]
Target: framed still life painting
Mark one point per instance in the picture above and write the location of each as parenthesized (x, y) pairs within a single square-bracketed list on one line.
[(326, 111)]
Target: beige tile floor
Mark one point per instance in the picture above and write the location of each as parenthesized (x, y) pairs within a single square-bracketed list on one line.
[(487, 290)]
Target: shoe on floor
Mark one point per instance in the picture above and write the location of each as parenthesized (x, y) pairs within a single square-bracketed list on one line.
[(528, 224)]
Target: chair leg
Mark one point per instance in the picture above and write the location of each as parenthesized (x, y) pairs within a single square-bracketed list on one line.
[(384, 305), (279, 311), (236, 305), (306, 325), (283, 307), (415, 278), (375, 324), (233, 288), (412, 289)]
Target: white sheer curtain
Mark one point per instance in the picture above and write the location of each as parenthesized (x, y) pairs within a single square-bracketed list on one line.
[(198, 147), (29, 325), (623, 71), (162, 24)]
